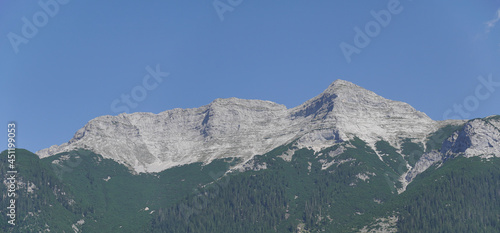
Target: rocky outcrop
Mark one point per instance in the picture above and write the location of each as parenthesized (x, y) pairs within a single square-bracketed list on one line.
[(478, 137), (425, 161)]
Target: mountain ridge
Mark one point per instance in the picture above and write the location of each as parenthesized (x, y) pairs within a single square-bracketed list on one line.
[(234, 127)]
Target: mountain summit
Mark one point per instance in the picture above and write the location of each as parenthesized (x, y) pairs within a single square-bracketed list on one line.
[(233, 127), (355, 111)]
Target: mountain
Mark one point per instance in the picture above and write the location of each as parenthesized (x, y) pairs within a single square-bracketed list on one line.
[(234, 127), (347, 160)]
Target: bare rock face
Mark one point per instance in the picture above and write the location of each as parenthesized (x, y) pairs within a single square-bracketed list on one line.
[(478, 137), (352, 111), (427, 160), (148, 142), (154, 142)]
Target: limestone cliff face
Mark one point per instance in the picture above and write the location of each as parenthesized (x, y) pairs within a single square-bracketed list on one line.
[(478, 137), (354, 111), (233, 127), (153, 142)]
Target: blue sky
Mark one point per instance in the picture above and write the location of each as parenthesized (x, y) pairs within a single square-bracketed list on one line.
[(63, 63)]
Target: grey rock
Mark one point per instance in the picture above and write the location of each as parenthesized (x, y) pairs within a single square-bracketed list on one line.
[(425, 161), (233, 127), (478, 137)]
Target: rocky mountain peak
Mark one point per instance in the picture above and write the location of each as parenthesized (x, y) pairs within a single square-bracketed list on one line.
[(341, 85), (347, 97), (355, 111)]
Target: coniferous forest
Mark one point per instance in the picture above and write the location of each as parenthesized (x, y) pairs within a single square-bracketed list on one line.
[(276, 194)]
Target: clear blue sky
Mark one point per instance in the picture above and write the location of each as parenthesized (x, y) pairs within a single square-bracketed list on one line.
[(87, 54)]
